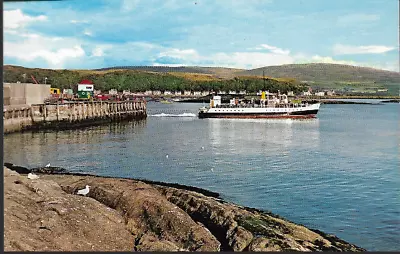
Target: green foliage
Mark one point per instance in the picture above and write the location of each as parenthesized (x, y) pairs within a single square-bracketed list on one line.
[(139, 81)]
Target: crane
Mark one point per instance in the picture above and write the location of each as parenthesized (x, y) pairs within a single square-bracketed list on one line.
[(34, 79)]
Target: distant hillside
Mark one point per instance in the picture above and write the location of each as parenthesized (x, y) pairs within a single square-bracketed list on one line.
[(318, 72), (218, 72), (315, 72), (151, 78), (341, 78)]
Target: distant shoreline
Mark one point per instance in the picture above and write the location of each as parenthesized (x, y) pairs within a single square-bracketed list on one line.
[(325, 100)]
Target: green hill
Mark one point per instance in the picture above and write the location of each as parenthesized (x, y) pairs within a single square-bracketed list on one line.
[(319, 76), (334, 76), (150, 79), (218, 72), (326, 72)]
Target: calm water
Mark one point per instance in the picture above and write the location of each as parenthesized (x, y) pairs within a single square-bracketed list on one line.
[(338, 173)]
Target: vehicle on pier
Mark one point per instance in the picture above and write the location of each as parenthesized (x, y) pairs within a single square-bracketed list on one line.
[(55, 92)]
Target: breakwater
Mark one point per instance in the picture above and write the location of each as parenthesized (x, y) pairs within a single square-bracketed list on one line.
[(70, 115)]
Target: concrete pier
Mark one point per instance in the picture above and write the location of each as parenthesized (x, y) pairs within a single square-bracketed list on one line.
[(70, 115)]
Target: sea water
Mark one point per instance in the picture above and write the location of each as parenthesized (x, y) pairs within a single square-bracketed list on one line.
[(338, 173)]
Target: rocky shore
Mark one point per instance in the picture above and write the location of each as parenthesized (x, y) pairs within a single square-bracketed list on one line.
[(46, 214)]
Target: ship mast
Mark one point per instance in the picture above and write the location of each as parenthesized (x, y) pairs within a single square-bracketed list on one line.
[(264, 79), (264, 89)]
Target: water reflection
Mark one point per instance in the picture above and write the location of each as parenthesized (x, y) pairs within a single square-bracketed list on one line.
[(262, 136), (61, 148)]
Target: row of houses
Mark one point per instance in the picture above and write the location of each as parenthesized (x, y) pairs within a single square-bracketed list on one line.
[(205, 93), (192, 93), (321, 93), (170, 93)]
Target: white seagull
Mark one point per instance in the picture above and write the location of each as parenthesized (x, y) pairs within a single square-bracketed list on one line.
[(48, 165), (212, 169), (85, 191), (33, 176), (166, 156), (202, 147)]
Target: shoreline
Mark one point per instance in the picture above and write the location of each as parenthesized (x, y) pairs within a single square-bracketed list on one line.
[(325, 99), (148, 216)]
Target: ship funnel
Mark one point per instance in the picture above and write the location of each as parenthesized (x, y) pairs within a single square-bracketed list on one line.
[(262, 95), (217, 100)]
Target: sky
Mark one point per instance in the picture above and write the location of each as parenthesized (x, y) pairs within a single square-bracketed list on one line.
[(90, 34)]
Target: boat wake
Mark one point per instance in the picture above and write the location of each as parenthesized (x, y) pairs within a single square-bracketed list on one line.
[(174, 115)]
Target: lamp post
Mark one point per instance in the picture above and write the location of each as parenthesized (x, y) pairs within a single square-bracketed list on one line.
[(45, 80)]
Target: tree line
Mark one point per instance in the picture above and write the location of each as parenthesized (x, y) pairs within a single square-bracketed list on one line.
[(137, 81)]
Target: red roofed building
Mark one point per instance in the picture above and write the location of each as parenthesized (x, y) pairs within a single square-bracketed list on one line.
[(86, 82)]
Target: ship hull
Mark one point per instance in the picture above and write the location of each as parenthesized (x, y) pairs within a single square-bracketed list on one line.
[(299, 114)]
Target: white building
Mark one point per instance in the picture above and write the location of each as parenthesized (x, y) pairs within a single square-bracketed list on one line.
[(126, 92), (242, 92), (167, 93), (113, 92), (188, 93), (178, 93), (221, 92), (290, 93), (205, 93), (148, 92), (320, 94), (197, 93), (232, 92), (307, 93), (70, 91), (157, 92), (330, 93)]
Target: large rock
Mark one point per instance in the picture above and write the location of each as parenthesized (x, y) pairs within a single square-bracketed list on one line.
[(130, 215), (243, 229), (40, 216), (149, 216)]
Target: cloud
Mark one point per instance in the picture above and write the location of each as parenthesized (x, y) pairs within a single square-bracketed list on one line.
[(99, 51), (236, 59), (129, 5), (55, 51), (173, 34), (14, 19), (356, 18), (322, 59), (340, 49), (73, 21), (88, 33), (181, 54), (272, 49)]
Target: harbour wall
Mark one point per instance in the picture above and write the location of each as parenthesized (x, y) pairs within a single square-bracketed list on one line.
[(70, 115), (25, 93)]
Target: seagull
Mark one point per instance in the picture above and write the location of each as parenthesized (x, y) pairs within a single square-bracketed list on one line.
[(202, 147), (48, 165), (166, 156), (212, 169), (33, 176), (85, 191)]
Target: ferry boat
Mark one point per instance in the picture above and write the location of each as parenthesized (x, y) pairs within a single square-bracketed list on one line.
[(276, 107)]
